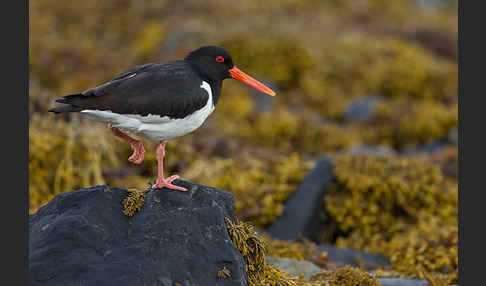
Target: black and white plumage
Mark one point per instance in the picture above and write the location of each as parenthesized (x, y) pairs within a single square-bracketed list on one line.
[(156, 101), (160, 101)]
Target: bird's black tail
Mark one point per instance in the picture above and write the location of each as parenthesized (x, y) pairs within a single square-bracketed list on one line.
[(65, 108), (68, 107)]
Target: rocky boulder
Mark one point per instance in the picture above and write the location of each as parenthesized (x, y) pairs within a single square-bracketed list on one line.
[(303, 214), (177, 238)]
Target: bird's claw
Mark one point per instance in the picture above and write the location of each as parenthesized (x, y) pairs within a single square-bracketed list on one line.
[(167, 183), (138, 153)]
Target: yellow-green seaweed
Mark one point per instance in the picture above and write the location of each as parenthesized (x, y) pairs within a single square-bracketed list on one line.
[(400, 207)]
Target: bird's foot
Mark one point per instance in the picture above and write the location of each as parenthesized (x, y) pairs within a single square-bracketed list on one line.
[(138, 153), (167, 183)]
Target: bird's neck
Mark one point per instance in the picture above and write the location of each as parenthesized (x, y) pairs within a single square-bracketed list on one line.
[(215, 89), (214, 83)]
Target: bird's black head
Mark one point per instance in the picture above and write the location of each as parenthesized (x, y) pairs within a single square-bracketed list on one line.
[(215, 64), (212, 62)]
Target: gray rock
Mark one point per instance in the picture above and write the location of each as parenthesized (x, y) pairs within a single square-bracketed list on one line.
[(303, 213), (376, 150), (294, 267), (83, 238), (361, 109), (343, 256), (403, 282), (453, 136)]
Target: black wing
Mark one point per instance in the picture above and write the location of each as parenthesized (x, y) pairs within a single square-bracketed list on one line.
[(170, 89)]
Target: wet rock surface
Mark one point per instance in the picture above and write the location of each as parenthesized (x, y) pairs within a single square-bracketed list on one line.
[(83, 238)]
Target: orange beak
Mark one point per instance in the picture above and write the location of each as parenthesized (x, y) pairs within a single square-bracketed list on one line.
[(243, 77)]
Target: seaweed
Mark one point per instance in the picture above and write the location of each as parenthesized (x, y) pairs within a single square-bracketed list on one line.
[(224, 273), (134, 202), (254, 248), (64, 156), (390, 205), (298, 250), (346, 276)]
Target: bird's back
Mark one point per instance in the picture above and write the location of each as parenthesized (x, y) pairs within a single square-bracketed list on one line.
[(171, 89)]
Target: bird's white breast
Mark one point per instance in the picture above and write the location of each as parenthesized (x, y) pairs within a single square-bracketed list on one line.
[(156, 127)]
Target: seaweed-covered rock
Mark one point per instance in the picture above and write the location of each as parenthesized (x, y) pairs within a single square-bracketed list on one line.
[(177, 238), (303, 213)]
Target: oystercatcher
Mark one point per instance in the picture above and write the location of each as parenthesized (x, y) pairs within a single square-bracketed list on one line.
[(160, 101)]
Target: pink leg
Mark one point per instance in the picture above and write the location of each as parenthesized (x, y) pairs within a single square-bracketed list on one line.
[(137, 145), (161, 182)]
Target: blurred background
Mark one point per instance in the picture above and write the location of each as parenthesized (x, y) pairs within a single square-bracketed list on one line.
[(371, 84)]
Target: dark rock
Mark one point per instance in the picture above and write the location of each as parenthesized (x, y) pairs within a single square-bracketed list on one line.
[(303, 213), (222, 148), (361, 109), (343, 256), (83, 238), (403, 282), (453, 136)]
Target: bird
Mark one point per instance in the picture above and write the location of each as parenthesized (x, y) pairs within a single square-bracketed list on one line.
[(160, 101)]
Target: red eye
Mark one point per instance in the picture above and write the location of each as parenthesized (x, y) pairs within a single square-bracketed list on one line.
[(219, 59)]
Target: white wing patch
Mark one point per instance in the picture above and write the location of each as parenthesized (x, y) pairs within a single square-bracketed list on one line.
[(153, 126)]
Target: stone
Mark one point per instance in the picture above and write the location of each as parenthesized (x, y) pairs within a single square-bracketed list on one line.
[(375, 150), (403, 282), (178, 238), (303, 213), (294, 267), (344, 256), (361, 109), (453, 136)]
